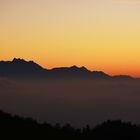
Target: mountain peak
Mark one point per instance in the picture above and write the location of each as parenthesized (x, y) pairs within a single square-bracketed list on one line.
[(20, 67), (84, 68), (18, 60), (21, 61), (74, 67), (14, 59)]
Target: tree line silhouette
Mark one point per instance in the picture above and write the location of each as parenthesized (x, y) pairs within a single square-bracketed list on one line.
[(17, 127)]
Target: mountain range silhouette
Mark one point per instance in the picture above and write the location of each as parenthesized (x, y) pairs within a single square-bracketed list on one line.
[(21, 68)]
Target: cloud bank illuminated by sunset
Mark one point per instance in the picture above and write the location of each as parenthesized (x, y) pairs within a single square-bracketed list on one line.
[(99, 34)]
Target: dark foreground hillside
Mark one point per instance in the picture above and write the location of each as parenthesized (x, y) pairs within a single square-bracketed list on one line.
[(15, 127)]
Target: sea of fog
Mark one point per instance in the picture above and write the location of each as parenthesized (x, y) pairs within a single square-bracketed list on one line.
[(78, 102)]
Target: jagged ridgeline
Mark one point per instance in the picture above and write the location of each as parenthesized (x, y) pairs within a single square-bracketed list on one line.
[(21, 68)]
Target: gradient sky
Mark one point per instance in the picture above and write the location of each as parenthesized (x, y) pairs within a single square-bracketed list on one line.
[(99, 34)]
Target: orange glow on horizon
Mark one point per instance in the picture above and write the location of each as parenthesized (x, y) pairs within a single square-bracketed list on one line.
[(100, 35)]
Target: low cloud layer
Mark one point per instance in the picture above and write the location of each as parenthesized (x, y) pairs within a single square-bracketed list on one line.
[(78, 102)]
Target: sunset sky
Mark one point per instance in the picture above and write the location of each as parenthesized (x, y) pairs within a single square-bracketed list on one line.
[(99, 34)]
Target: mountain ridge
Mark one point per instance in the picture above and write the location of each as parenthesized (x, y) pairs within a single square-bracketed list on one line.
[(22, 68)]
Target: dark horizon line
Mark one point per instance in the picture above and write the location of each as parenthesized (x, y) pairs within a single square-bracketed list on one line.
[(72, 66)]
